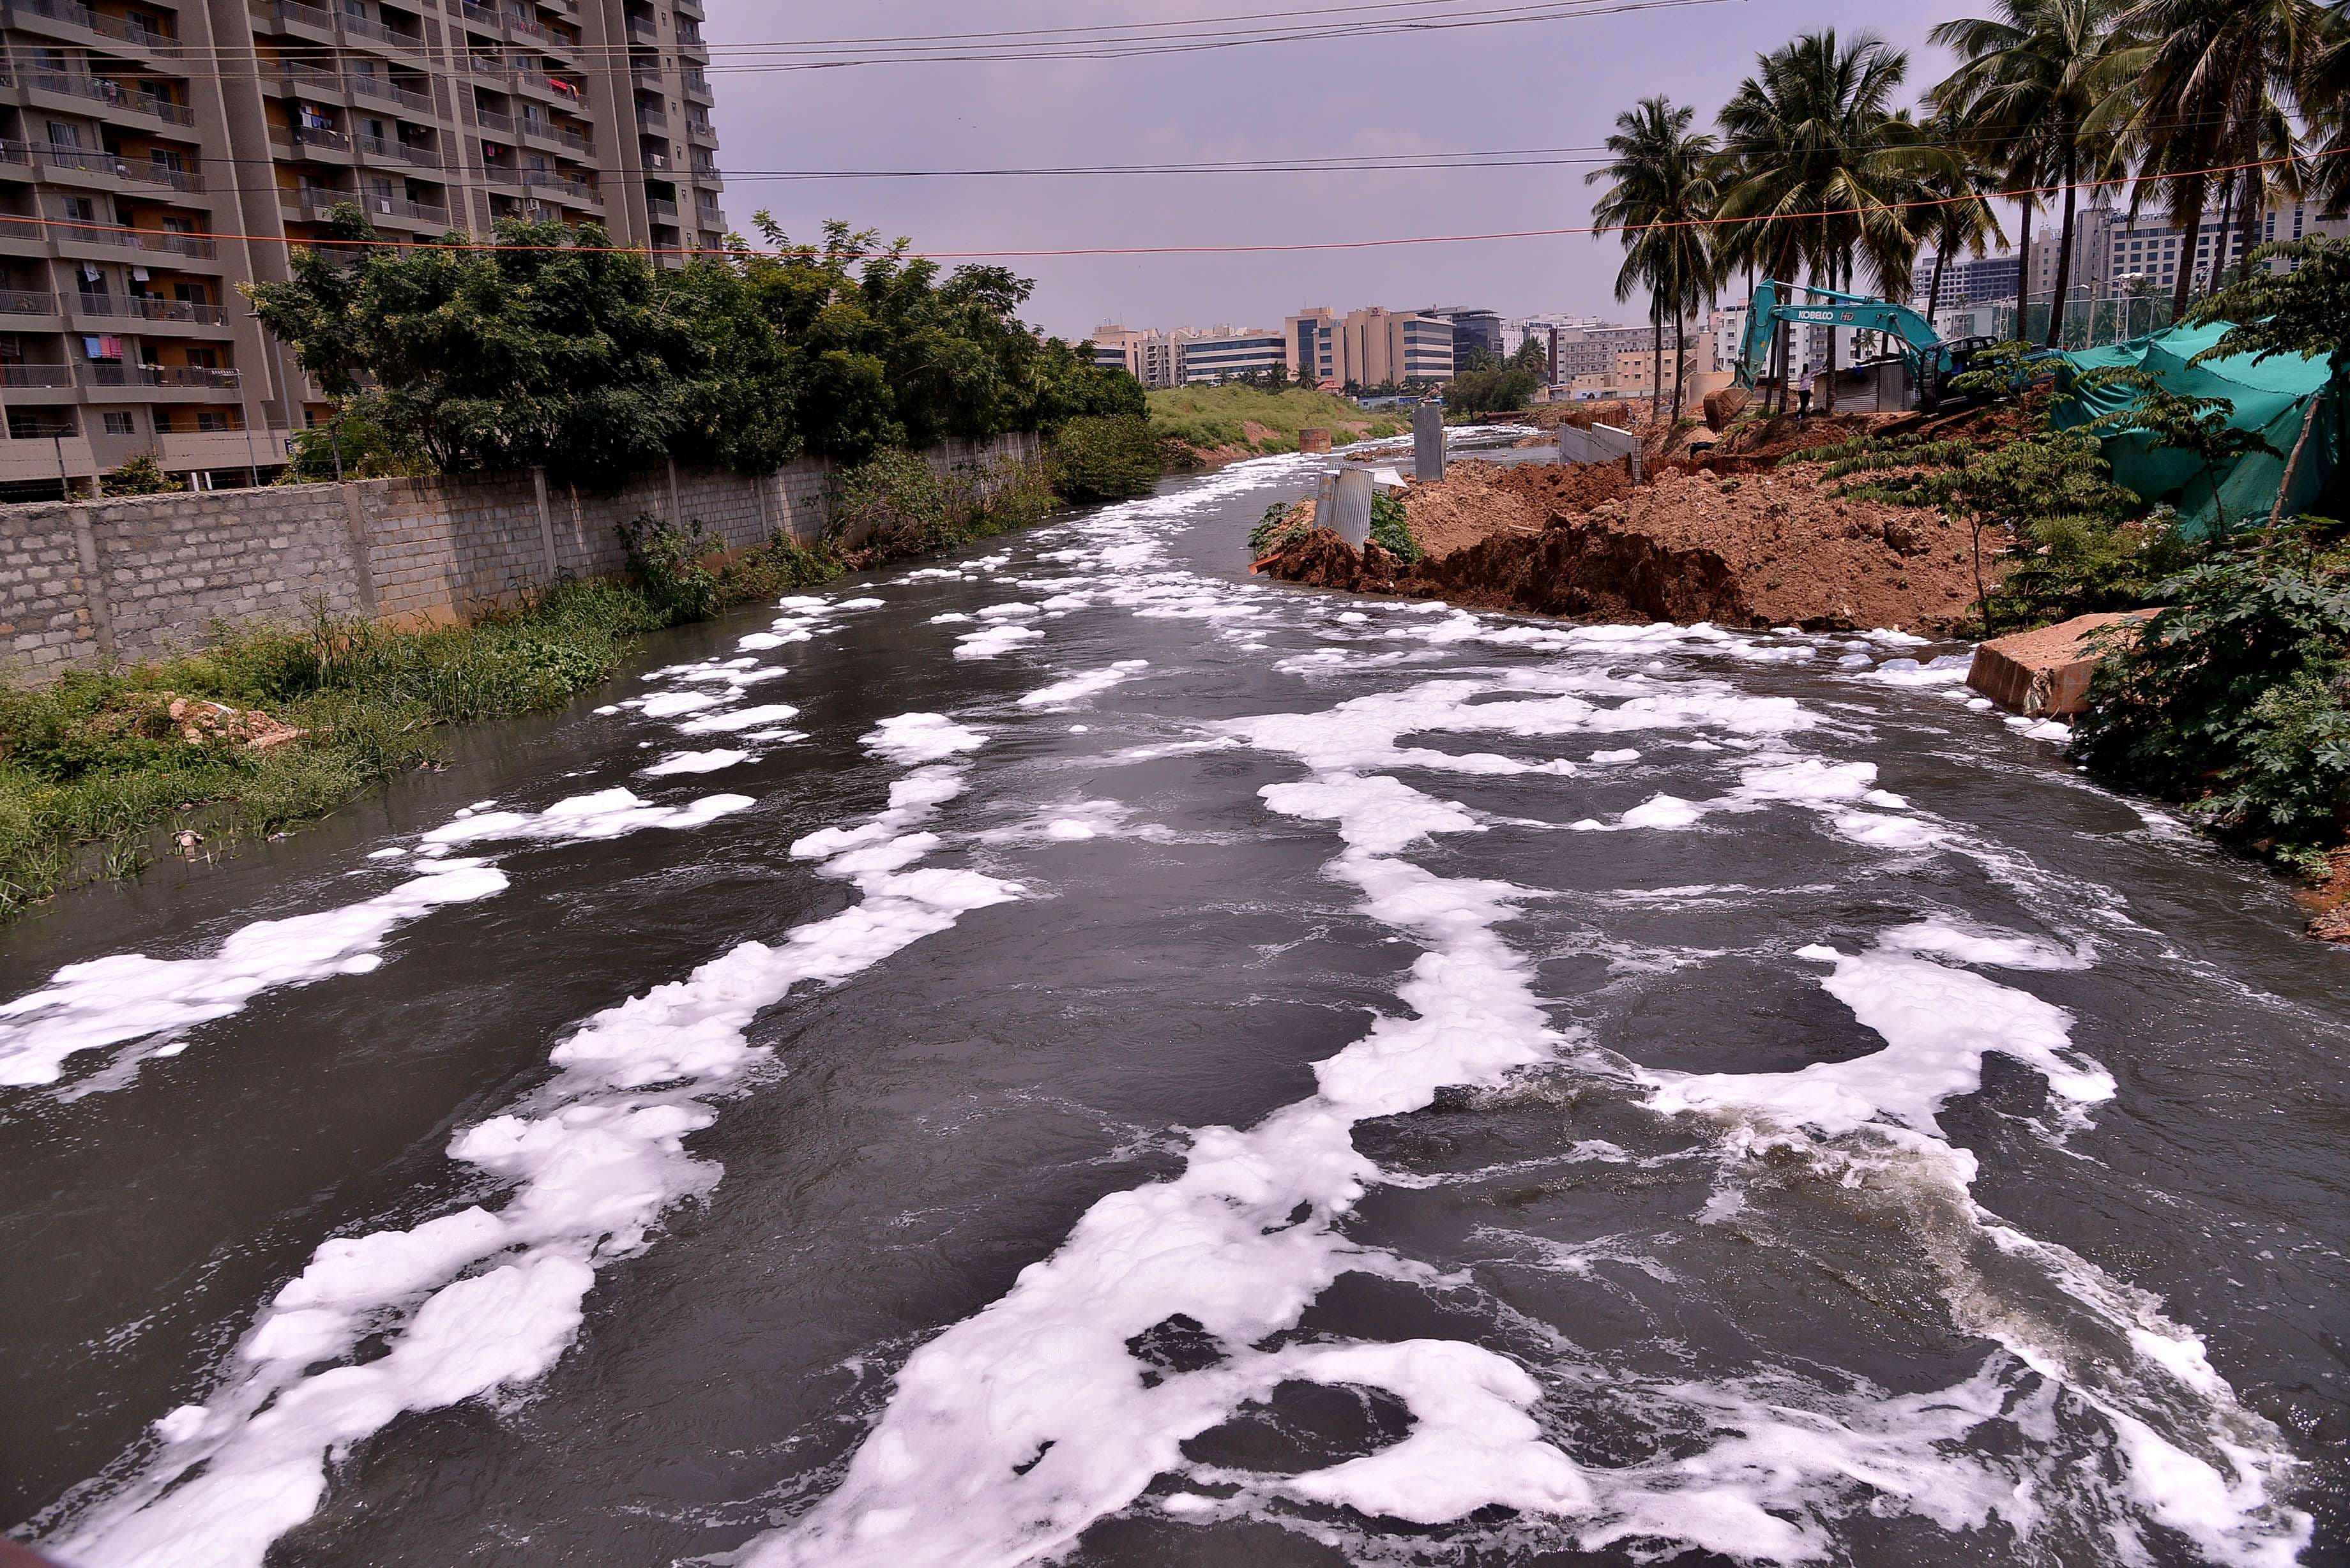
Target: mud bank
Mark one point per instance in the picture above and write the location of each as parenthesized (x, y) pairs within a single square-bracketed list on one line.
[(1774, 548)]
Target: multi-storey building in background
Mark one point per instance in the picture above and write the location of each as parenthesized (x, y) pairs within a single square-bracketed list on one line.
[(1368, 348), (153, 155), (1186, 356), (1967, 280), (1473, 330)]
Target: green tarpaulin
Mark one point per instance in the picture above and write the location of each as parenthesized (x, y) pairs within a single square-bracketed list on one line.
[(2269, 397)]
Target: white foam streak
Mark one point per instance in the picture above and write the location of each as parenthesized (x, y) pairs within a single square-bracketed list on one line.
[(591, 1162), (127, 996)]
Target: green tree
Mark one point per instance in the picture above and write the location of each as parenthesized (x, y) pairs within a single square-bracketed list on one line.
[(1824, 162), (2203, 84), (1661, 193), (2031, 79), (2326, 104), (1958, 218), (2303, 309), (555, 350), (141, 475)]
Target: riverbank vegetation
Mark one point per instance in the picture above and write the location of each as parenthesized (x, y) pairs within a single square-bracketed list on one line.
[(1195, 425), (555, 350), (262, 729), (266, 727)]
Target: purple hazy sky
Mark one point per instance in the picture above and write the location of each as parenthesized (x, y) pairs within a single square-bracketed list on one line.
[(1554, 84)]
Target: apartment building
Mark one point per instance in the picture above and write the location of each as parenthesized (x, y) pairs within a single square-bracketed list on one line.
[(155, 154), (1368, 348), (1967, 280)]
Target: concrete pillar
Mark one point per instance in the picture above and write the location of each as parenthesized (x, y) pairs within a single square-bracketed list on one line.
[(546, 525), (93, 582), (1351, 516), (362, 565), (1427, 441)]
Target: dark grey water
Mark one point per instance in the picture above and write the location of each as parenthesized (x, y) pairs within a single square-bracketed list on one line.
[(1118, 1063)]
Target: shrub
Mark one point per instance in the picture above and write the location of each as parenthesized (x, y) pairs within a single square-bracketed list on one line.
[(894, 503), (667, 562), (140, 475), (1389, 530), (1281, 525), (2235, 699), (1112, 458)]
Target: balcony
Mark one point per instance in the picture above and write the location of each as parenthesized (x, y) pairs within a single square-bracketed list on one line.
[(701, 129), (561, 185), (382, 88), (22, 374), (309, 81), (200, 378), (296, 17), (553, 88), (376, 32), (401, 211), (27, 302), (651, 117), (531, 126), (479, 16), (643, 32), (384, 150), (148, 307), (697, 88), (77, 232), (65, 14), (312, 141), (663, 209), (82, 161), (112, 94)]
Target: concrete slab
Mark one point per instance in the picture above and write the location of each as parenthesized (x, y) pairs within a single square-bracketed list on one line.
[(2046, 674)]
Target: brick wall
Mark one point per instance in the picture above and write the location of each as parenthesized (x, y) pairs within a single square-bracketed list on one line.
[(85, 582)]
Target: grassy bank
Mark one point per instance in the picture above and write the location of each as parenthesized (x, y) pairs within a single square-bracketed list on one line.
[(92, 765), (98, 774), (1222, 419)]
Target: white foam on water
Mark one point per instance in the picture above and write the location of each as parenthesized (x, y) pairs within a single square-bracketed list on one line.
[(2193, 1458), (1016, 610), (605, 814), (1013, 1430), (952, 618), (921, 738), (708, 762), (127, 996), (740, 719), (995, 639), (479, 1301), (1077, 688)]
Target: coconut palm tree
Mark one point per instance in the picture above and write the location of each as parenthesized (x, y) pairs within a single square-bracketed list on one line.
[(2325, 105), (2031, 78), (1660, 196), (1957, 215), (2204, 85), (1824, 162)]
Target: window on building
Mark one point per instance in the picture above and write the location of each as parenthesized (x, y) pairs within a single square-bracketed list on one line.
[(119, 421)]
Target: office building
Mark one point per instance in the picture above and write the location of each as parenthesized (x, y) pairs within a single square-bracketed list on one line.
[(1225, 352), (1186, 356), (154, 156), (1472, 330), (1368, 348)]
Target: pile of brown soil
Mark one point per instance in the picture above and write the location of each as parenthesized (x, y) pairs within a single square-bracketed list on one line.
[(1772, 549), (2329, 902)]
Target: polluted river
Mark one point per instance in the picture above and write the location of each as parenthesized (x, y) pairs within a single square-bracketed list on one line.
[(1074, 1053)]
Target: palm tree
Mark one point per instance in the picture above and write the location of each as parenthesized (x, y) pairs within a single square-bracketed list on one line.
[(1661, 195), (1824, 162), (2325, 105), (1959, 218), (2207, 81), (2030, 79)]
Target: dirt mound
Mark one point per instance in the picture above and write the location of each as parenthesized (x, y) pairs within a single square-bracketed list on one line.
[(1778, 548)]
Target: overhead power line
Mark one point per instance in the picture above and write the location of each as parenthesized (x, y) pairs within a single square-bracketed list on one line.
[(1106, 41), (2037, 193)]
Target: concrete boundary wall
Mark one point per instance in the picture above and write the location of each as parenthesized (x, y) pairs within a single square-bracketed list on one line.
[(88, 582)]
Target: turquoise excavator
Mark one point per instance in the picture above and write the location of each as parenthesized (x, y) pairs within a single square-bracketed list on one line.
[(1932, 363)]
